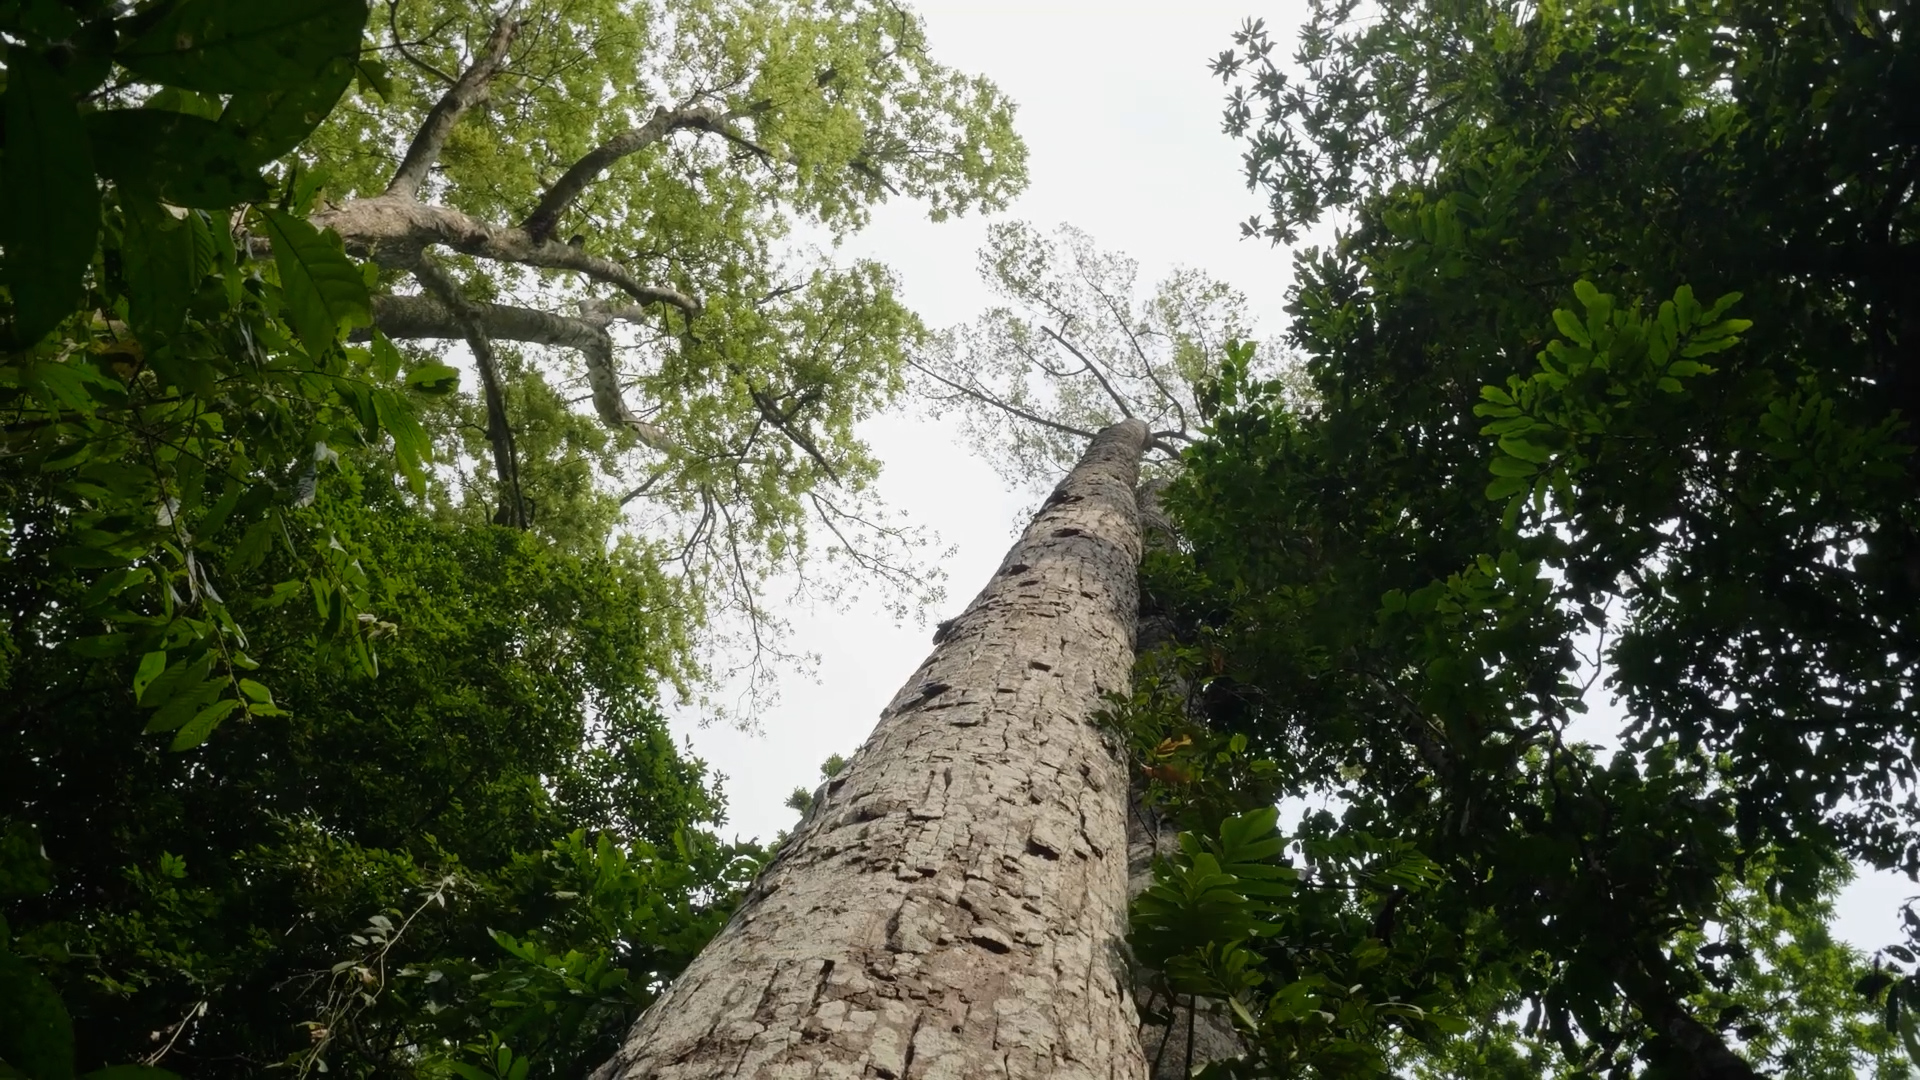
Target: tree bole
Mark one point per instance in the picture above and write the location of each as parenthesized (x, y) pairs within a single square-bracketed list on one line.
[(954, 903)]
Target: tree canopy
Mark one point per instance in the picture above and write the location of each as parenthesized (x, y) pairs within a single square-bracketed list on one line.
[(1608, 384)]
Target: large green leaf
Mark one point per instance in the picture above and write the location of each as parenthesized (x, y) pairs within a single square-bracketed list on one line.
[(270, 123), (186, 160), (237, 46), (49, 202), (323, 288), (157, 257)]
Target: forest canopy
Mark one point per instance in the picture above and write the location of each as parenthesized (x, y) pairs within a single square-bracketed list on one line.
[(403, 403)]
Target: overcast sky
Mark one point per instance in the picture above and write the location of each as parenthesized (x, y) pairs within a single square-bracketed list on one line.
[(1122, 122)]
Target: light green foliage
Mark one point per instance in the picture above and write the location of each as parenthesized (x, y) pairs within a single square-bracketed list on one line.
[(810, 114), (1079, 345)]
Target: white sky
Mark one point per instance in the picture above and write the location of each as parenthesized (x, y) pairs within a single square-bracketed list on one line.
[(1122, 124)]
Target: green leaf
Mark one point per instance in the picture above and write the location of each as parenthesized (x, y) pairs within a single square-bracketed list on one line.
[(268, 124), (151, 666), (1503, 465), (411, 444), (201, 726), (372, 73), (157, 259), (1506, 486), (184, 159), (193, 691), (24, 869), (131, 1072), (236, 46), (36, 1037), (386, 359), (50, 206), (432, 378), (1571, 327), (322, 287), (1520, 448)]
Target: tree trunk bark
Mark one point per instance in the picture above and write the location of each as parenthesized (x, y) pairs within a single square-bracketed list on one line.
[(954, 903)]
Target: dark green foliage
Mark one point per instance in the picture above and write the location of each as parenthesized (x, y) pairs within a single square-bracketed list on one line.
[(1528, 438), (442, 828), (511, 711)]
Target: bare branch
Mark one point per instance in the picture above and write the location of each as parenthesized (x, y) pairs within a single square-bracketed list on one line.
[(466, 92), (1126, 412), (574, 183), (988, 399), (506, 461), (400, 43), (394, 229)]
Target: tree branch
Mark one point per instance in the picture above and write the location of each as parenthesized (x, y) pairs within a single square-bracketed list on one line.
[(466, 92), (1006, 406), (394, 229), (1126, 412), (506, 461), (540, 223), (415, 317)]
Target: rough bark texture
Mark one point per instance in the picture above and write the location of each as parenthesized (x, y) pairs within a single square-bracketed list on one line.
[(954, 903)]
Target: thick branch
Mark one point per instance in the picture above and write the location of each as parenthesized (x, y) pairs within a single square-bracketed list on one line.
[(466, 92), (415, 317), (506, 461), (663, 122), (395, 228)]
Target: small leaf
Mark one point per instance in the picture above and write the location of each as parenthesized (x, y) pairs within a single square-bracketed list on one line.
[(1571, 327), (372, 73), (196, 730), (434, 379), (1506, 486), (151, 665)]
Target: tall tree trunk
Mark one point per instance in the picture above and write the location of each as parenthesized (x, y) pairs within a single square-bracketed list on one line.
[(954, 904)]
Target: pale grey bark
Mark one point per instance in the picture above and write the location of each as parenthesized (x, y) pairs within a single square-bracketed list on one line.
[(392, 228), (954, 902), (414, 317), (584, 172), (468, 90)]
